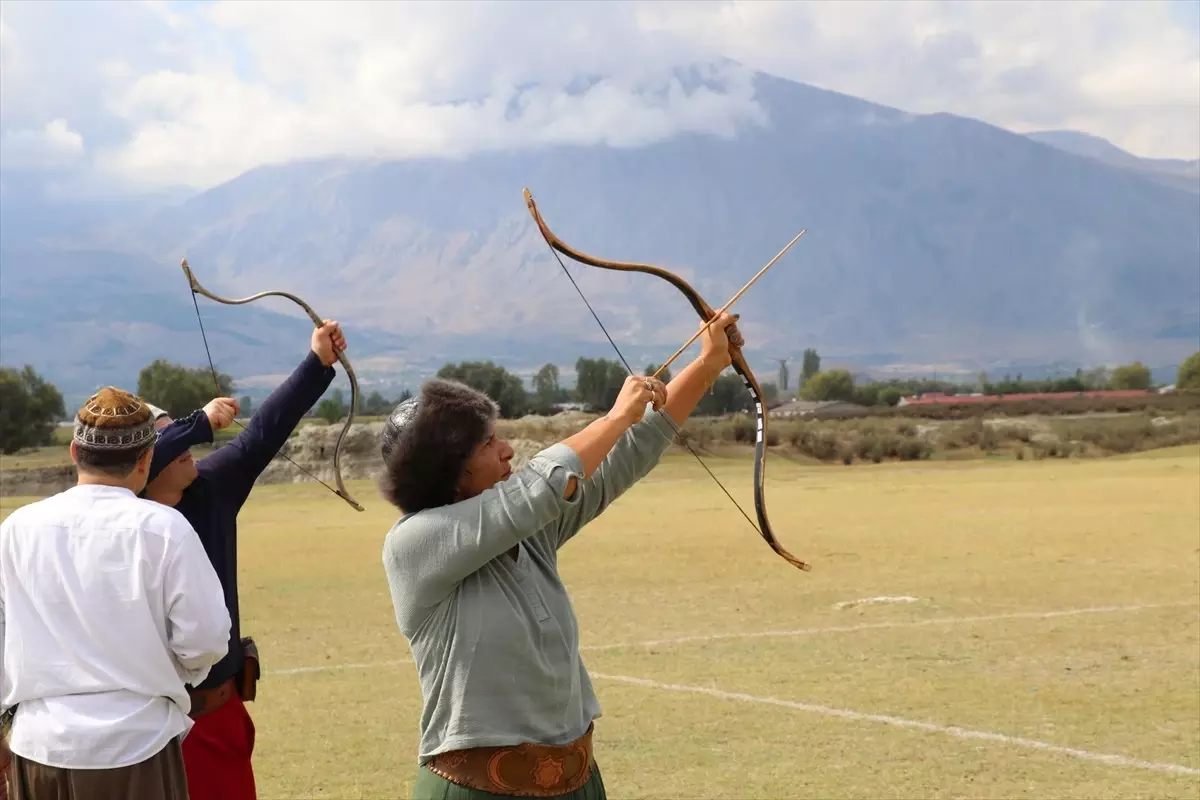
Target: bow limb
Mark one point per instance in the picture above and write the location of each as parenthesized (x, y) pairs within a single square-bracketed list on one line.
[(340, 491), (702, 308), (760, 459), (706, 313)]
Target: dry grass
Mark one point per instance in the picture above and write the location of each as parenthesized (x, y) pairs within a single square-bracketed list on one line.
[(673, 559)]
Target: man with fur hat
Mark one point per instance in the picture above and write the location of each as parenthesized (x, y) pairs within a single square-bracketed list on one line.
[(108, 608), (210, 493), (472, 565)]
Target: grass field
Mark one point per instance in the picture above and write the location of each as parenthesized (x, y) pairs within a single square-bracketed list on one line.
[(1052, 649)]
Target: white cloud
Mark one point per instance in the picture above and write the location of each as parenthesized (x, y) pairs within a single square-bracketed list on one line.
[(55, 145), (168, 94)]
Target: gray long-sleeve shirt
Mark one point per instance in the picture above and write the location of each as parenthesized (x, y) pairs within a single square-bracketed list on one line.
[(495, 639)]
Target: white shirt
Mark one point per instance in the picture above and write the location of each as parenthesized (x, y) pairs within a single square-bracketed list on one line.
[(108, 606)]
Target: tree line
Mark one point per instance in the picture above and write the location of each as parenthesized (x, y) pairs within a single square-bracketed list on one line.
[(31, 407), (840, 384)]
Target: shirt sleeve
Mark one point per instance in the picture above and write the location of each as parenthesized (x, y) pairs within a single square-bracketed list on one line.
[(175, 440), (3, 671), (428, 553), (242, 460), (198, 623), (633, 456)]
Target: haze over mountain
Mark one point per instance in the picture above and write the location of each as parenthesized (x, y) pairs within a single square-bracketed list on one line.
[(934, 241), (1176, 172)]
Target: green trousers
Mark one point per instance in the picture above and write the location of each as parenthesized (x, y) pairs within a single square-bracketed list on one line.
[(430, 786)]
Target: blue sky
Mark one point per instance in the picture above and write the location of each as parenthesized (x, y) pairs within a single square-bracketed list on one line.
[(158, 94), (1188, 12)]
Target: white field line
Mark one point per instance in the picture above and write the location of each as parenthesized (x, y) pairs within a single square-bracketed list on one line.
[(900, 722), (867, 626), (871, 626)]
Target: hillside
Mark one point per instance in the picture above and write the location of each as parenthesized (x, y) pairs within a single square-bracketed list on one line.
[(1174, 172), (933, 240)]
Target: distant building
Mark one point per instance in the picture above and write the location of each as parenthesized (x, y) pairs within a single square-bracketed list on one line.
[(819, 409), (941, 399)]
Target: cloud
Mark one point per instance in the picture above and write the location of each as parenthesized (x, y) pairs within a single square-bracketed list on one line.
[(55, 145), (168, 94)]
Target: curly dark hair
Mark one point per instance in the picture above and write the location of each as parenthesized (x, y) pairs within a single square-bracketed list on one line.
[(428, 439)]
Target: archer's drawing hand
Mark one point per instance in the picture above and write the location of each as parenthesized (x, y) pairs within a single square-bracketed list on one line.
[(637, 391), (718, 338), (328, 341), (221, 412)]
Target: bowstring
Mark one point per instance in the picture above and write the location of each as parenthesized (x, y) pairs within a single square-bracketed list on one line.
[(217, 383), (678, 434)]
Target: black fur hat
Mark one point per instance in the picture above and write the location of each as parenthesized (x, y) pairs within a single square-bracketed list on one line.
[(427, 440)]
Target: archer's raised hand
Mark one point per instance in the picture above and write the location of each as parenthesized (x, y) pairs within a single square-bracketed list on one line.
[(328, 341), (717, 339), (221, 412), (636, 392)]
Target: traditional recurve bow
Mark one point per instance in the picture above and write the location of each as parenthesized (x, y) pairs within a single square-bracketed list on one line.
[(740, 366), (340, 491)]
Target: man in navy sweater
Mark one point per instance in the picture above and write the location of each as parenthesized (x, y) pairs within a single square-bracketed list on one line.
[(210, 493)]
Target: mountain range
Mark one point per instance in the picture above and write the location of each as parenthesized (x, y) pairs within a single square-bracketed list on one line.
[(934, 243)]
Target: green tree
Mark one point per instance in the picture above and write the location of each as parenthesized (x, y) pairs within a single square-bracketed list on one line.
[(890, 395), (375, 405), (29, 409), (727, 395), (333, 408), (1095, 378), (546, 390), (245, 406), (598, 381), (1130, 376), (496, 382), (178, 389), (810, 367), (868, 394), (835, 384), (1188, 376)]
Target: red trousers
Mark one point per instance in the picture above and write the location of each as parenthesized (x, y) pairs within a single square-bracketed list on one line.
[(216, 754)]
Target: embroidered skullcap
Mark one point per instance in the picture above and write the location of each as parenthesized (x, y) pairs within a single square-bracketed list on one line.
[(157, 413), (113, 420)]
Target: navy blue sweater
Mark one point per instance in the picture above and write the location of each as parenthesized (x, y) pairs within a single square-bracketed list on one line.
[(212, 502)]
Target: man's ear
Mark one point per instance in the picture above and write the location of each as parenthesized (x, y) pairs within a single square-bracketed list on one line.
[(74, 452), (143, 462)]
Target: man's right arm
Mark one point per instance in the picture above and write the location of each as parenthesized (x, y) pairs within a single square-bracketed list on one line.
[(198, 622), (177, 438)]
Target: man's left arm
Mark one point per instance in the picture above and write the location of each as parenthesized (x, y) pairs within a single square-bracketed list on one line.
[(238, 464)]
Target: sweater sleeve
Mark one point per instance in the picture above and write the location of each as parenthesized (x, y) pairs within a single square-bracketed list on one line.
[(238, 464), (633, 456), (428, 553), (177, 438)]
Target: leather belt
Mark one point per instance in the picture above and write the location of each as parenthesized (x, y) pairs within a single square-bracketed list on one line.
[(206, 701), (524, 770)]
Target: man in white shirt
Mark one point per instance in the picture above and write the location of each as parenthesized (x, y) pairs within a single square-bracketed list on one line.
[(108, 607)]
